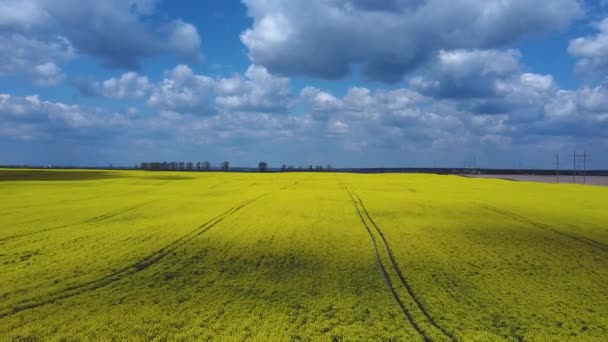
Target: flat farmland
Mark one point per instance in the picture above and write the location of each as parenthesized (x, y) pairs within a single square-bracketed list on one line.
[(135, 255)]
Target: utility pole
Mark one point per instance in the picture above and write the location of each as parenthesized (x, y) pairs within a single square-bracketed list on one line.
[(585, 167), (557, 166), (574, 167)]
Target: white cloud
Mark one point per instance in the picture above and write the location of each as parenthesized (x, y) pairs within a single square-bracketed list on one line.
[(181, 89), (467, 74), (51, 31), (380, 125), (129, 85), (320, 101), (37, 59), (257, 91), (48, 74), (592, 52), (387, 38), (185, 40), (42, 117)]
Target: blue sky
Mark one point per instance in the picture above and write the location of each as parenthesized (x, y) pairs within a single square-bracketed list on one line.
[(353, 83)]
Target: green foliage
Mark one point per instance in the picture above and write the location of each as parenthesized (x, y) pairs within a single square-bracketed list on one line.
[(229, 256)]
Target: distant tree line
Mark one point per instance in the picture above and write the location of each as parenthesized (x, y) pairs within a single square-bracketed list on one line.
[(177, 166), (223, 166), (309, 168)]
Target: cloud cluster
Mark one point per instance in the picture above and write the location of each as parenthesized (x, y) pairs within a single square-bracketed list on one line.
[(387, 38), (130, 85), (257, 91), (183, 90), (465, 91), (592, 52), (237, 118), (467, 74), (45, 33), (37, 59), (30, 118)]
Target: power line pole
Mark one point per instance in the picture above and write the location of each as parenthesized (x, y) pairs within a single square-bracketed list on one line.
[(585, 167), (557, 166), (574, 167)]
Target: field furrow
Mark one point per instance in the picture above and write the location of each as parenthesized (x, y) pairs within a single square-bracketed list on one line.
[(89, 220), (385, 273), (409, 303), (451, 258), (519, 218), (402, 279), (124, 272)]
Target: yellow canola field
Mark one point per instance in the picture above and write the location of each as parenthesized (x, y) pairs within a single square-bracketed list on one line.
[(135, 255)]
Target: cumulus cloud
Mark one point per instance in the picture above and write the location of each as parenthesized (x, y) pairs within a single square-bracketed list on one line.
[(35, 58), (119, 33), (185, 40), (320, 101), (258, 90), (32, 111), (485, 82), (466, 74), (130, 85), (387, 38), (181, 89), (592, 52), (41, 131), (376, 125), (48, 74)]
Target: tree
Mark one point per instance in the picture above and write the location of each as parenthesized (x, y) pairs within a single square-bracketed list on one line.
[(284, 168), (263, 166), (145, 166), (225, 166), (181, 165), (328, 167), (189, 166), (198, 166), (206, 166)]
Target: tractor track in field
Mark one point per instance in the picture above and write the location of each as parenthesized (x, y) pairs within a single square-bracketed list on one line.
[(126, 271), (114, 213), (89, 220), (519, 218), (389, 283), (83, 199), (362, 212), (402, 278)]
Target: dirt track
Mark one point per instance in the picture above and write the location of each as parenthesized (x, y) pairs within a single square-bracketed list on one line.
[(591, 180)]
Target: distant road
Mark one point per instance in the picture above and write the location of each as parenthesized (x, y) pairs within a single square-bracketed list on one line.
[(591, 180)]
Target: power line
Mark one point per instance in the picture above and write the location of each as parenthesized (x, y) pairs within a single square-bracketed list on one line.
[(557, 166), (575, 158)]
